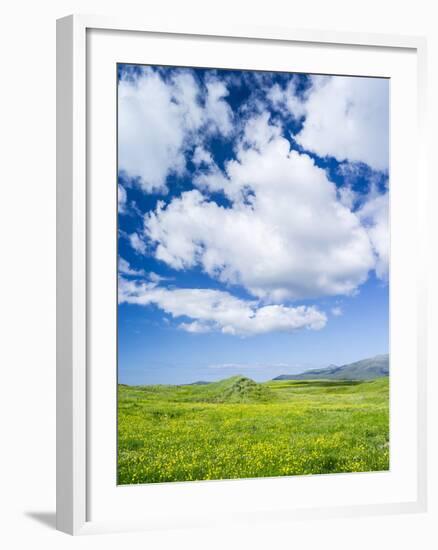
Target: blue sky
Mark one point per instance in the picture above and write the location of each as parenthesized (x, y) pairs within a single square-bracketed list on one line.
[(253, 222)]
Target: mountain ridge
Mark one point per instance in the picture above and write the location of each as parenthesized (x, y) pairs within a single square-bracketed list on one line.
[(364, 369)]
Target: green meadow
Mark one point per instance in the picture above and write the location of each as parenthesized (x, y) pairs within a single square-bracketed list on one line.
[(237, 428)]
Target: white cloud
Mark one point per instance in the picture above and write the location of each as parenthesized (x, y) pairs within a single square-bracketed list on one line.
[(258, 368), (126, 269), (348, 118), (121, 199), (214, 310), (287, 234), (137, 243), (233, 366), (201, 157), (150, 131), (258, 132), (212, 179), (336, 311), (196, 327), (218, 113), (159, 120), (374, 214), (287, 100), (155, 278), (347, 196), (185, 91)]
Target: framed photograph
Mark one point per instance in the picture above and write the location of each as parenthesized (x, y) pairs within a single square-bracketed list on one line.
[(241, 275)]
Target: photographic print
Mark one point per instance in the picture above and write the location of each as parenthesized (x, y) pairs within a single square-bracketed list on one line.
[(253, 287)]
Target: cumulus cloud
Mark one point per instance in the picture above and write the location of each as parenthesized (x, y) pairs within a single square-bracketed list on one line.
[(159, 119), (218, 113), (202, 157), (374, 215), (213, 310), (287, 234), (150, 130), (347, 196), (287, 100), (258, 132), (347, 118), (137, 243)]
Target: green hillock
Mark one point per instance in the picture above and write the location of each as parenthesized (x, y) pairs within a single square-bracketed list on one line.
[(236, 389), (239, 389)]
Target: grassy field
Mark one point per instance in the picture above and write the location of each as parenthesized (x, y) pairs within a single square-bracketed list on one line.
[(237, 428)]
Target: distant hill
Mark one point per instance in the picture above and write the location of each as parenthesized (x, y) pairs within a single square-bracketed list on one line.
[(366, 369)]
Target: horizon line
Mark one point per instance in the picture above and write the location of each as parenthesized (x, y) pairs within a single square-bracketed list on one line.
[(200, 381)]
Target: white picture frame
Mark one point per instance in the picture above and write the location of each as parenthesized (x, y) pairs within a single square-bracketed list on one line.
[(74, 289)]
